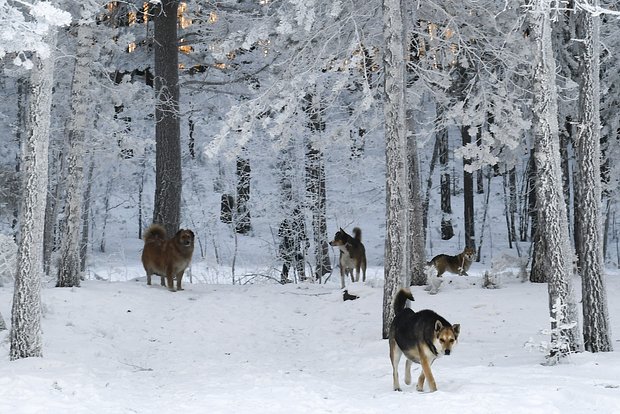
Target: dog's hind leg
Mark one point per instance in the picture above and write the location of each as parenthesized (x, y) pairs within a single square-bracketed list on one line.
[(148, 278), (395, 354), (408, 372)]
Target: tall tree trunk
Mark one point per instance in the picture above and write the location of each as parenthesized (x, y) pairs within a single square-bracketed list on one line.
[(55, 174), (588, 210), (243, 222), (447, 231), (416, 235), (168, 175), (468, 196), (25, 335), (552, 225), (69, 264), (315, 186), (395, 149), (86, 217)]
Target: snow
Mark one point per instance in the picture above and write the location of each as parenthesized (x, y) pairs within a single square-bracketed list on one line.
[(122, 347)]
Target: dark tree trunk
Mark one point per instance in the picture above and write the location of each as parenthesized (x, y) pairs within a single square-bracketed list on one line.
[(243, 222), (315, 186), (447, 231), (468, 196), (86, 217), (596, 332), (168, 180)]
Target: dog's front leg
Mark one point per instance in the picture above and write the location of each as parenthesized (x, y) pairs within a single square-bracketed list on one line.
[(342, 276), (170, 278), (426, 372), (179, 277)]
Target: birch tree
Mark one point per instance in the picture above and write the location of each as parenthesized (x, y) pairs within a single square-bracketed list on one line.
[(596, 331), (395, 148), (552, 221), (69, 265)]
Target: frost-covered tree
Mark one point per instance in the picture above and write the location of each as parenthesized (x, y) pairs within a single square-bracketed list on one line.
[(81, 121), (396, 202), (552, 222), (25, 335), (588, 207)]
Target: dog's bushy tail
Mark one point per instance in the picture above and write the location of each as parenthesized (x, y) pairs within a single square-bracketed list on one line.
[(357, 232), (155, 231), (400, 300)]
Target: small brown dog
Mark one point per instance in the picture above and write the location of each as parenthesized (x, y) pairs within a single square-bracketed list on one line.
[(167, 258), (458, 264)]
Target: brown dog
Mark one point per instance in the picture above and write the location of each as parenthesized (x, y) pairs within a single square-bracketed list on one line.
[(167, 258), (422, 337), (352, 254), (458, 264)]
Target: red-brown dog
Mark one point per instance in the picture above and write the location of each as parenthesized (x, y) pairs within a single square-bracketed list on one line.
[(167, 258)]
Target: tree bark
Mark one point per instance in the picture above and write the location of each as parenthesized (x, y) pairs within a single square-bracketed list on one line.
[(596, 330), (168, 175), (69, 264), (468, 196), (243, 222), (25, 335), (447, 231), (552, 225), (395, 148)]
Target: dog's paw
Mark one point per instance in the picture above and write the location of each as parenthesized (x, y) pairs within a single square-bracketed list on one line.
[(397, 389)]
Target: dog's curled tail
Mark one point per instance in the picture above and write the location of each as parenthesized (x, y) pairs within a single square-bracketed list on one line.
[(155, 231), (400, 300), (357, 232)]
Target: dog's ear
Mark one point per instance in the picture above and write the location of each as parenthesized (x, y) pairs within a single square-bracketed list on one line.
[(457, 330), (438, 326)]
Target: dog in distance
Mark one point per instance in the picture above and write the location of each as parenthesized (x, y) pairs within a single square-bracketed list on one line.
[(167, 258), (352, 254), (422, 337), (458, 264)]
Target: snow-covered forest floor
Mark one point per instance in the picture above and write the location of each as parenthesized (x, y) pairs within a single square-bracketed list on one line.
[(122, 347)]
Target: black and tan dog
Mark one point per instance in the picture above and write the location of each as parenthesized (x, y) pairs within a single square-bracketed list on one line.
[(458, 264), (167, 258), (352, 254), (422, 337)]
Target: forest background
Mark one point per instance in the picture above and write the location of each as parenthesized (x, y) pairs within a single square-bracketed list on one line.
[(279, 103)]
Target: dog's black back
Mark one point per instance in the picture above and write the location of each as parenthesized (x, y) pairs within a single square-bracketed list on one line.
[(412, 328)]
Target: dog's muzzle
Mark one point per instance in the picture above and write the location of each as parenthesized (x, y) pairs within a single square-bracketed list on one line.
[(446, 352)]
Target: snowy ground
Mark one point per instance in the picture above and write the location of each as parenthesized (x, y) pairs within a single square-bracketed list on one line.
[(123, 347)]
